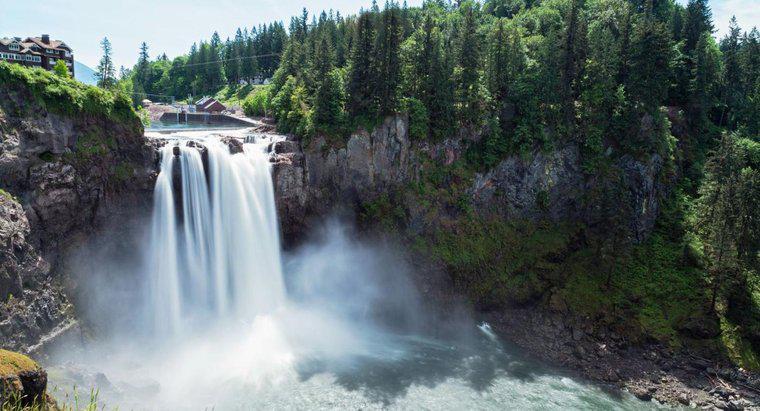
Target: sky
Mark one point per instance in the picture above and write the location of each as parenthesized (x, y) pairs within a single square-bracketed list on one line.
[(171, 26)]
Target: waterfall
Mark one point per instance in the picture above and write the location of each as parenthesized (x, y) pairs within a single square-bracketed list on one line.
[(219, 257)]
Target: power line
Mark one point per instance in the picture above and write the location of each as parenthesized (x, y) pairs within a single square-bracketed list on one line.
[(153, 95), (232, 59)]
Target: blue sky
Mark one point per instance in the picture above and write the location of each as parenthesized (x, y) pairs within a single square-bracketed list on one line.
[(171, 26)]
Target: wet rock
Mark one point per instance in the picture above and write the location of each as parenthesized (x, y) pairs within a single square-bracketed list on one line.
[(282, 147), (235, 144), (684, 399), (641, 393)]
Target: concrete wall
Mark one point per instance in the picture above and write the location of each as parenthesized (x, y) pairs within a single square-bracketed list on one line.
[(204, 118)]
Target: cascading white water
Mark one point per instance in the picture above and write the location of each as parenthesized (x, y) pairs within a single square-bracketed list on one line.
[(221, 255)]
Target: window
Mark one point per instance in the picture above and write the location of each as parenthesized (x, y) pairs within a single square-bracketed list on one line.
[(49, 51), (14, 46)]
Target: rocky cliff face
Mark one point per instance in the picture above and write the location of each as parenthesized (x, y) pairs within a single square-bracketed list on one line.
[(319, 178), (62, 177)]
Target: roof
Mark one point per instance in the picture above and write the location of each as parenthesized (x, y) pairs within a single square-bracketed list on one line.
[(25, 47), (211, 103), (54, 44), (207, 102)]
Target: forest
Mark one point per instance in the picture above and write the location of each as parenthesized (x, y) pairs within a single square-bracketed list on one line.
[(614, 77)]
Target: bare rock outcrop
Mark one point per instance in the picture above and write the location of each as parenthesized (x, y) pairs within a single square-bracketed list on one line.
[(321, 177)]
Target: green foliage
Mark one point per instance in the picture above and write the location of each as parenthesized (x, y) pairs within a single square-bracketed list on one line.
[(503, 263), (123, 173), (47, 157), (383, 212), (6, 194), (329, 101), (65, 95), (418, 118), (291, 109), (144, 116), (258, 103), (60, 69)]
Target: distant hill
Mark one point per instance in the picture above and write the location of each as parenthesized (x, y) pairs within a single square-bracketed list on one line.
[(84, 74)]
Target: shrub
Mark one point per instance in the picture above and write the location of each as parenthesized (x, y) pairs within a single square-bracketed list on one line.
[(64, 95), (418, 118), (257, 104)]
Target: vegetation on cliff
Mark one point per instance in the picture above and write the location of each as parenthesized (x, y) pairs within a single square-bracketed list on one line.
[(108, 130), (66, 96), (12, 363)]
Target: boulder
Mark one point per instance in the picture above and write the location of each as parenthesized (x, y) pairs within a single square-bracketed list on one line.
[(234, 143), (22, 382)]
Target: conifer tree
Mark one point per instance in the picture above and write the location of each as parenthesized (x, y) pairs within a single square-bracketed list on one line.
[(468, 91), (361, 70), (105, 70), (387, 76), (732, 91)]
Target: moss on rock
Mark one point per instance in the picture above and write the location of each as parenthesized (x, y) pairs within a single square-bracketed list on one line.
[(12, 363)]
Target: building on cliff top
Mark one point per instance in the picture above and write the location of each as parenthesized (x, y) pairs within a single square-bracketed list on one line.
[(36, 52)]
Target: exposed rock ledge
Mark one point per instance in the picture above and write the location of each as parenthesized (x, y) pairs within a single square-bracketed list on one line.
[(318, 179)]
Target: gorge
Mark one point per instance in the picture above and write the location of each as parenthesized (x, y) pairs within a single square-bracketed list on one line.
[(349, 330), (496, 204)]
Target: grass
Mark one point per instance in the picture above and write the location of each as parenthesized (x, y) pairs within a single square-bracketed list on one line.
[(12, 363), (235, 95)]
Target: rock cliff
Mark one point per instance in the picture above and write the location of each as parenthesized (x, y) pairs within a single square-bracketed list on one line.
[(320, 178), (62, 176)]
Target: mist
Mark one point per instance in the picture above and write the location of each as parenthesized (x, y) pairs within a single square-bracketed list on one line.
[(348, 299), (195, 306)]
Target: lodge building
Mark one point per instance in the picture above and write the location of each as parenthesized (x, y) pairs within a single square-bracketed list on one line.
[(36, 52)]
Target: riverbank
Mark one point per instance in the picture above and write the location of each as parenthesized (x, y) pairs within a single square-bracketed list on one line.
[(650, 372)]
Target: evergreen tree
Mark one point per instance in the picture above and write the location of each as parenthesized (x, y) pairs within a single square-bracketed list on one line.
[(387, 77), (650, 64), (704, 81), (105, 70), (697, 20), (427, 77), (505, 62), (717, 215), (361, 70), (732, 92), (329, 101), (468, 86)]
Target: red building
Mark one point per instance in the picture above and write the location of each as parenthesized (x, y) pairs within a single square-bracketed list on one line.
[(209, 105), (36, 52)]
